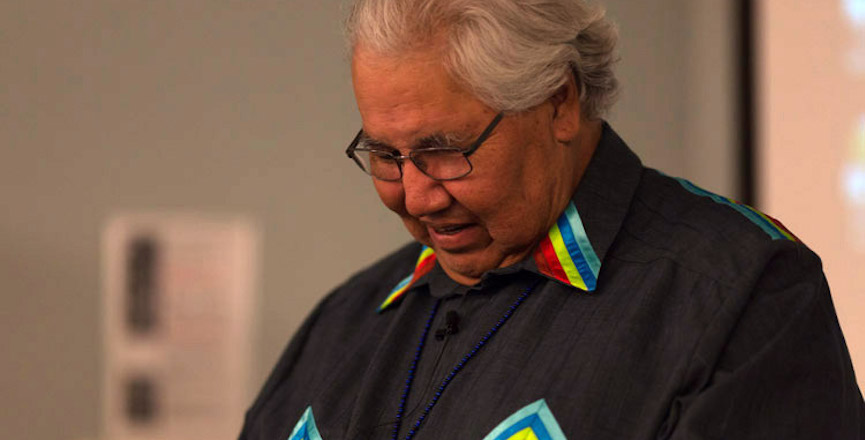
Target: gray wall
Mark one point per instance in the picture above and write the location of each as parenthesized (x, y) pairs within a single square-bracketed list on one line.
[(677, 109), (242, 107)]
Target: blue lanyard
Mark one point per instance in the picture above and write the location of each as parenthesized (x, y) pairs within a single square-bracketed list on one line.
[(459, 366)]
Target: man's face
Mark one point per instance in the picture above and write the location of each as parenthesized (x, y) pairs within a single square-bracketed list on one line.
[(492, 217)]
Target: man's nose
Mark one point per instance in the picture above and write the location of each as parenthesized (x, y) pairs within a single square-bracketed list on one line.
[(423, 195)]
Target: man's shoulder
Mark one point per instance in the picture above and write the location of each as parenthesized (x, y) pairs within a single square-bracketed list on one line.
[(674, 219)]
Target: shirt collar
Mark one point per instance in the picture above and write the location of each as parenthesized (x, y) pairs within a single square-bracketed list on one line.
[(573, 250), (425, 262)]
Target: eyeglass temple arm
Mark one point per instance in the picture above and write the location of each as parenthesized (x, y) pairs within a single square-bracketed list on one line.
[(480, 140), (350, 150)]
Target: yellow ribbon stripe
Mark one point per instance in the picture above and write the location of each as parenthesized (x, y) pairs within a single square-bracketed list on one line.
[(565, 258)]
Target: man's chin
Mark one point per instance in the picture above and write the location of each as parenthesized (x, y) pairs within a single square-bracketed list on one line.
[(463, 267)]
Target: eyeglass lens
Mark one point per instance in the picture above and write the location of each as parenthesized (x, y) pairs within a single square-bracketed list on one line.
[(440, 164)]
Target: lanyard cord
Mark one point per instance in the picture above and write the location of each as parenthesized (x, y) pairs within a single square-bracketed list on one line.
[(459, 366)]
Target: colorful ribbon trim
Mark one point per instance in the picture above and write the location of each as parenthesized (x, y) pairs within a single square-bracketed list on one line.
[(425, 263), (305, 428), (565, 254), (769, 225), (534, 422)]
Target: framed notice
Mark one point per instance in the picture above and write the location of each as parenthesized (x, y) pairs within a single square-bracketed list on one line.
[(178, 302)]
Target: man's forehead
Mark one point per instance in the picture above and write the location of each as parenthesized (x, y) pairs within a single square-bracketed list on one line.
[(410, 100), (414, 118), (398, 82), (424, 56)]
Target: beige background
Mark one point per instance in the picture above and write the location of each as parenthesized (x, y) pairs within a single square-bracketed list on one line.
[(239, 107)]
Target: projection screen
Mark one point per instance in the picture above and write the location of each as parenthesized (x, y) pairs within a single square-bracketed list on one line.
[(810, 141)]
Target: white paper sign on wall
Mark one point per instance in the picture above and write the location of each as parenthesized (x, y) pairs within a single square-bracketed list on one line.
[(178, 304)]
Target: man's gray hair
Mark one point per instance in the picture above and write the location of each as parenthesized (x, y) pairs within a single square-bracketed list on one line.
[(513, 54)]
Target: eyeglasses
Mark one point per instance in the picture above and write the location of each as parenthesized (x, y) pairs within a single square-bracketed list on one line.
[(439, 163)]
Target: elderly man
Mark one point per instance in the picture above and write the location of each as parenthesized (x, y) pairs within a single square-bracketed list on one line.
[(558, 288)]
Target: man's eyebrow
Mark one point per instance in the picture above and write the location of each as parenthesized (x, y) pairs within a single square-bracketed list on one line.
[(368, 142), (435, 140), (440, 140)]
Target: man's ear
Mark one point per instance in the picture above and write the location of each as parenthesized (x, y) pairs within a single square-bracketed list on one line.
[(566, 110)]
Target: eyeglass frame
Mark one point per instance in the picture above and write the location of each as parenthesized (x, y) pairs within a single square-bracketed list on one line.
[(399, 158)]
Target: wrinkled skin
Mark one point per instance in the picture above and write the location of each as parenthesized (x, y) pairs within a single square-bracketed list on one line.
[(524, 173)]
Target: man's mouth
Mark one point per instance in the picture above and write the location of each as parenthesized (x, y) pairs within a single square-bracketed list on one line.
[(450, 229), (455, 237)]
